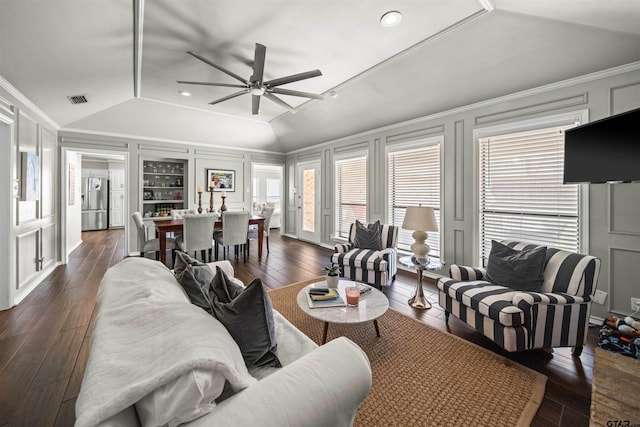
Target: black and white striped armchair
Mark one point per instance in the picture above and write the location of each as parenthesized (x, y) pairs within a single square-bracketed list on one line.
[(556, 316), (375, 267)]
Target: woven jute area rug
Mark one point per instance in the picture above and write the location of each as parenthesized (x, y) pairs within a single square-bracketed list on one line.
[(426, 377)]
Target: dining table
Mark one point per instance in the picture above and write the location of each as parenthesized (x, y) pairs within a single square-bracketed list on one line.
[(165, 226)]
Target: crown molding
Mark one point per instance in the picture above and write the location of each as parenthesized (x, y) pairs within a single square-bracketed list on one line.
[(158, 140), (13, 91)]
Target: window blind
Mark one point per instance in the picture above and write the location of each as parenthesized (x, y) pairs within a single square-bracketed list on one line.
[(522, 196), (414, 179), (351, 193)]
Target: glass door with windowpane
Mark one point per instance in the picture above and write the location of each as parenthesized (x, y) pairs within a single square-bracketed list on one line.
[(309, 201)]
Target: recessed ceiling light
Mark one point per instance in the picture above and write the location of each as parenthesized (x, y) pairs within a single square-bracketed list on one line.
[(184, 93), (333, 94), (391, 18)]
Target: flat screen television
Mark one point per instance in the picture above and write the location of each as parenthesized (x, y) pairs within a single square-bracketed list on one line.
[(604, 150)]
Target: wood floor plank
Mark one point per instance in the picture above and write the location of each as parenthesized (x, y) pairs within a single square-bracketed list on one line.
[(73, 388), (40, 405), (61, 358), (15, 379)]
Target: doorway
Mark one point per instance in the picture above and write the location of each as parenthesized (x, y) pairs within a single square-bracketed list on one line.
[(308, 224), (267, 188)]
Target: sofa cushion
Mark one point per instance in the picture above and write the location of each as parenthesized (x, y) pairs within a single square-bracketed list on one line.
[(368, 236), (367, 259), (493, 301), (517, 269), (248, 316), (195, 277)]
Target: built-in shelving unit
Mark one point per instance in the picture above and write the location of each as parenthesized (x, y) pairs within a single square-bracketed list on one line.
[(163, 187)]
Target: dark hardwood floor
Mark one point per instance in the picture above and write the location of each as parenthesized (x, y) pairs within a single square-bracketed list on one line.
[(44, 341)]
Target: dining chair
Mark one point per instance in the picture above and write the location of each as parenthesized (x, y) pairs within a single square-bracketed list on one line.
[(149, 245), (196, 233), (267, 214), (235, 226), (179, 214)]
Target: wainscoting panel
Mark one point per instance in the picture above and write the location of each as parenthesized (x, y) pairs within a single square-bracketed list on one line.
[(415, 135), (27, 257), (48, 157), (458, 170), (623, 209), (624, 271), (624, 98), (48, 245), (458, 248)]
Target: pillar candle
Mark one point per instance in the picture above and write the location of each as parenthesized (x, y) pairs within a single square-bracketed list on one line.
[(199, 189)]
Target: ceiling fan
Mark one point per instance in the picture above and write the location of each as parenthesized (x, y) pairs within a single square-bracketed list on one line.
[(256, 86)]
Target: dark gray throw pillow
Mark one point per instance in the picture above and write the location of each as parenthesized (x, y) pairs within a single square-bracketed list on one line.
[(248, 316), (519, 270), (368, 237), (195, 278)]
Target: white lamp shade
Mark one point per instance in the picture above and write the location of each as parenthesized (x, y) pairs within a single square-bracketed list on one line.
[(420, 218)]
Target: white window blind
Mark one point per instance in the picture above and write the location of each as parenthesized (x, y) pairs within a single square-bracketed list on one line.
[(414, 179), (351, 193), (522, 196)]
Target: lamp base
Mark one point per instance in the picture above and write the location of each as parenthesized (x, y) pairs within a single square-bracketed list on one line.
[(418, 300)]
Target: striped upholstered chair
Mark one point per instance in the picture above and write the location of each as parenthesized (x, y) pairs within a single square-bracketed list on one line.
[(556, 316), (375, 267)]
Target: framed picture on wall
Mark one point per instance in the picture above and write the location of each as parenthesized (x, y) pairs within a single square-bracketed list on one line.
[(30, 177), (224, 180)]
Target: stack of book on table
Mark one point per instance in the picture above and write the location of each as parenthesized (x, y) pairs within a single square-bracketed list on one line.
[(324, 297)]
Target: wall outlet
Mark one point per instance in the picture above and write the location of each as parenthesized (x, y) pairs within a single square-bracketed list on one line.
[(599, 297), (635, 304)]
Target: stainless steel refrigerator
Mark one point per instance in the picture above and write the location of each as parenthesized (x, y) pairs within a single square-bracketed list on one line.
[(95, 203)]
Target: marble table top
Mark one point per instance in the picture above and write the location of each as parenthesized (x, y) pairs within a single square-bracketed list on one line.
[(372, 305)]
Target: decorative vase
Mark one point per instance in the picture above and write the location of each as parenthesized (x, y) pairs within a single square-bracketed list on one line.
[(332, 281)]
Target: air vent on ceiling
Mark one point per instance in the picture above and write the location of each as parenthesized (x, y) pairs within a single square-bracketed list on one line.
[(77, 99)]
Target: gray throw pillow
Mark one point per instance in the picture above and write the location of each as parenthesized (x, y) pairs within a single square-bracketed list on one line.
[(195, 278), (368, 237), (248, 316), (519, 270)]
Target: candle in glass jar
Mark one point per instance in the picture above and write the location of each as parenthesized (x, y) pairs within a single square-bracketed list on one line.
[(199, 190)]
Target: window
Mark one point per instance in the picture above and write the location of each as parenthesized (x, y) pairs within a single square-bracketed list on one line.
[(273, 190), (351, 193), (414, 179), (522, 196)]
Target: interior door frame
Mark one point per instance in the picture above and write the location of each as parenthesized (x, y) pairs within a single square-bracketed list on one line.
[(301, 234)]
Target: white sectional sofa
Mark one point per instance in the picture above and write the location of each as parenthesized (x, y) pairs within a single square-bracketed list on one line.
[(157, 359)]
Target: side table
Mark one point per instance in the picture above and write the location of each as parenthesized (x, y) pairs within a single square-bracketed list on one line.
[(418, 300)]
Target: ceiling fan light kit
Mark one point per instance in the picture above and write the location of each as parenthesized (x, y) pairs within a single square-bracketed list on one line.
[(255, 85)]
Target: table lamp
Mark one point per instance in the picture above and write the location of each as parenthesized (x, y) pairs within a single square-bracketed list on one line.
[(420, 219)]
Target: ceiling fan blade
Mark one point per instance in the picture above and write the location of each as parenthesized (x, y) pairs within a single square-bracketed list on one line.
[(224, 70), (258, 63), (295, 93), (209, 84), (279, 101), (255, 104), (233, 95), (293, 78)]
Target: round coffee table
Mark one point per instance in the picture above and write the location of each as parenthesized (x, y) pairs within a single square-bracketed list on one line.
[(372, 305)]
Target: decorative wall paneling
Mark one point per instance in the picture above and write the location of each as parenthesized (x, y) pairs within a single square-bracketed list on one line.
[(377, 173), (532, 110), (48, 246), (623, 208), (28, 257), (458, 249), (27, 138), (624, 98), (458, 170), (48, 171), (624, 271)]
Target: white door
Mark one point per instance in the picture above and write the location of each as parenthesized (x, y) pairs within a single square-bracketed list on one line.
[(309, 201)]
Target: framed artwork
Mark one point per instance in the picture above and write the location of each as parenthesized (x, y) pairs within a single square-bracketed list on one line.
[(224, 180), (30, 177)]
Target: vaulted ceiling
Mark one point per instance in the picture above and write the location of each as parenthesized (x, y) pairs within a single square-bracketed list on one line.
[(125, 56)]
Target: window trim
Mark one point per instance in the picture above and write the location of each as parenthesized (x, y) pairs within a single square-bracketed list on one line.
[(563, 119), (410, 145)]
